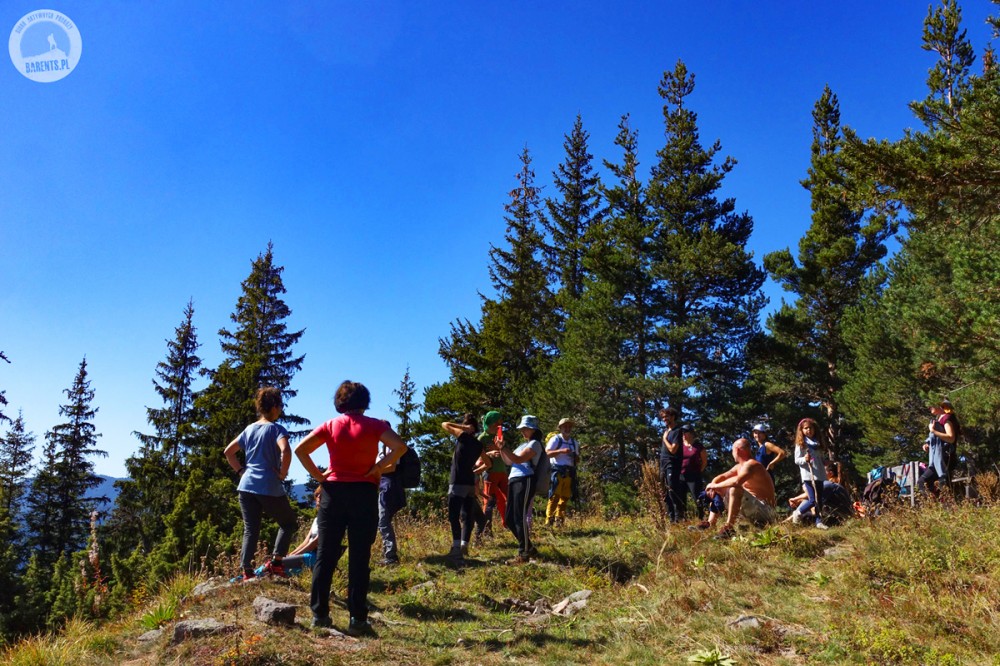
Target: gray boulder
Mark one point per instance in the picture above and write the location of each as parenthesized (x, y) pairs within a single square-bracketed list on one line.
[(273, 612), (200, 628), (151, 635)]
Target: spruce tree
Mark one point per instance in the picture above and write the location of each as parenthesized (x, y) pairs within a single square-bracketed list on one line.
[(257, 353), (406, 411), (498, 361), (155, 474), (73, 444), (571, 216), (602, 374), (802, 362), (16, 449), (706, 288), (15, 463)]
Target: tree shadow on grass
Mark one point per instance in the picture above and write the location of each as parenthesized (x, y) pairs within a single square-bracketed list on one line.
[(421, 611), (538, 639), (582, 532), (444, 560)]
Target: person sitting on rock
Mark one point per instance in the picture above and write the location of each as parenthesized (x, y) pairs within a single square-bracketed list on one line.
[(746, 489)]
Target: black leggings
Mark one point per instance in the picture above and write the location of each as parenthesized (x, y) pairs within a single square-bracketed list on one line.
[(252, 506), (696, 486), (461, 515), (675, 494), (520, 494), (351, 508)]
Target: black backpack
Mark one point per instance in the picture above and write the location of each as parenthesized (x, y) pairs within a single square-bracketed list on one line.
[(408, 469)]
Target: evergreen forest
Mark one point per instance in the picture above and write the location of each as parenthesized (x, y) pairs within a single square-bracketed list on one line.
[(625, 288)]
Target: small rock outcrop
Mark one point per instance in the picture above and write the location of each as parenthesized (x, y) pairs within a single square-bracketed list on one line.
[(201, 589), (573, 603), (270, 611), (151, 635), (199, 628)]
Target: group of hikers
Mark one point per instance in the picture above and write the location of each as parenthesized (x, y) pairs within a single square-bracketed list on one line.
[(360, 490), (747, 489)]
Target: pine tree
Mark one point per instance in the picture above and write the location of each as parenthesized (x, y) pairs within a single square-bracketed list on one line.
[(932, 330), (803, 360), (498, 361), (42, 511), (602, 374), (407, 409), (571, 216), (258, 352), (73, 444), (15, 463), (706, 287), (57, 509), (155, 474)]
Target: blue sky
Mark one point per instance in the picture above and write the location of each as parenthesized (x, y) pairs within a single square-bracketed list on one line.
[(374, 144)]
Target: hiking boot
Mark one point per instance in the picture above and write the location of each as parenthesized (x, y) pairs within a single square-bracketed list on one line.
[(820, 525), (390, 562), (276, 569), (360, 628), (322, 622), (531, 552), (796, 518), (244, 577), (727, 532), (465, 550), (703, 525), (455, 555)]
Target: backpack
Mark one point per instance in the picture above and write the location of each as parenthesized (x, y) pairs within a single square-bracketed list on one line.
[(543, 474), (408, 469)]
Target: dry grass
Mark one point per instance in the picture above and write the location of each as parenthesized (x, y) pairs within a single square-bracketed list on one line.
[(913, 587)]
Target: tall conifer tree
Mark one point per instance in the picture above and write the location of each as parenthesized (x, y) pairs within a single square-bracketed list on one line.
[(933, 330), (155, 475), (406, 410), (16, 449), (706, 286), (58, 510), (804, 359), (15, 463), (258, 352), (571, 215), (498, 361)]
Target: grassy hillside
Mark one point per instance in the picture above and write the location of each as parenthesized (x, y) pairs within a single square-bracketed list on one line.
[(915, 587)]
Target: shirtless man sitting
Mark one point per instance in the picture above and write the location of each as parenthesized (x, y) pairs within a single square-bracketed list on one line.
[(746, 489)]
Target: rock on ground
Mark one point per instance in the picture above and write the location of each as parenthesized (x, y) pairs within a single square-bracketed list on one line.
[(213, 583), (746, 622), (270, 611), (151, 635), (573, 603), (199, 628)]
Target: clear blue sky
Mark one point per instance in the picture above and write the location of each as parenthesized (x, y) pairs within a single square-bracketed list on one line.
[(374, 143)]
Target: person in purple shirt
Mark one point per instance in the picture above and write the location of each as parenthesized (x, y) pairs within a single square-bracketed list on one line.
[(693, 466)]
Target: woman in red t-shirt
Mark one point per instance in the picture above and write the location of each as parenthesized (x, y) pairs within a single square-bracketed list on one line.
[(349, 500)]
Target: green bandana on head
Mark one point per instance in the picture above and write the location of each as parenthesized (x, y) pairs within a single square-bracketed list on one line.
[(491, 418)]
